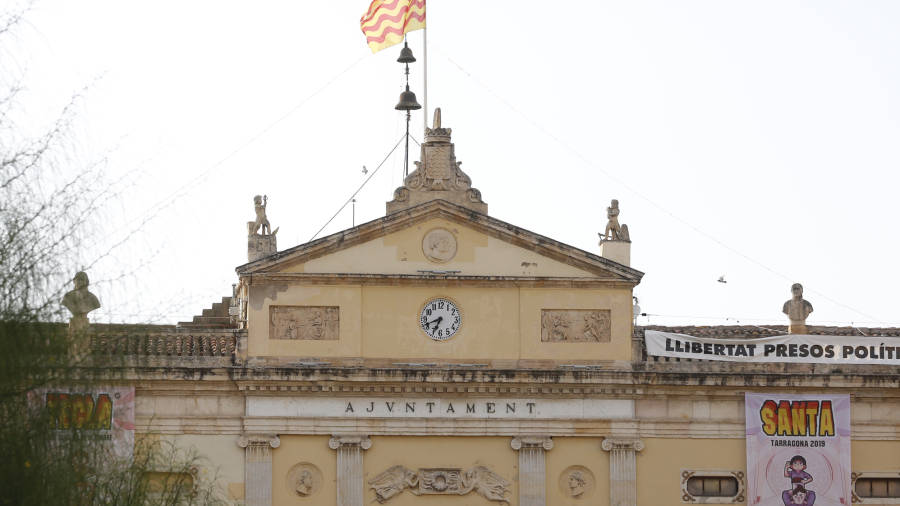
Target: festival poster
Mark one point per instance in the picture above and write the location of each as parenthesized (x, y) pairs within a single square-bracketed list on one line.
[(798, 449), (104, 414)]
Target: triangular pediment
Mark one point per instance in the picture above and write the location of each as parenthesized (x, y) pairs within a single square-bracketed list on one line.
[(441, 238)]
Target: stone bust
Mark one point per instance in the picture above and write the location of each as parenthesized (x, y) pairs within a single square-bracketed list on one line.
[(80, 301), (797, 308)]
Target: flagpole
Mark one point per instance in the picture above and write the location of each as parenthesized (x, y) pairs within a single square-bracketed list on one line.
[(425, 73)]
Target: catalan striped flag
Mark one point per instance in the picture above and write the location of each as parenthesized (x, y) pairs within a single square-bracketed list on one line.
[(386, 21)]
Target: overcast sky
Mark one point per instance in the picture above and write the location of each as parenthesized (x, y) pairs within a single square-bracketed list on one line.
[(755, 140)]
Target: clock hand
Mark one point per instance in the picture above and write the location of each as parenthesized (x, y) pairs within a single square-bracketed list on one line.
[(437, 322)]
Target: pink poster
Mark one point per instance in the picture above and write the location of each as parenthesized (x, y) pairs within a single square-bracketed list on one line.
[(798, 449)]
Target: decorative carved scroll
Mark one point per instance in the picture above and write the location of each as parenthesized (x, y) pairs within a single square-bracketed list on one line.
[(575, 325), (312, 323), (440, 481)]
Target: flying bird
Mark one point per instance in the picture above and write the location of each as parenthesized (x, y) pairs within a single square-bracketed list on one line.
[(722, 279), (365, 170)]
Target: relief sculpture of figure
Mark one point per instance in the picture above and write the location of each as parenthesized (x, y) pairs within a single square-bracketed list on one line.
[(614, 231), (486, 483), (392, 482), (797, 309), (577, 483), (304, 483)]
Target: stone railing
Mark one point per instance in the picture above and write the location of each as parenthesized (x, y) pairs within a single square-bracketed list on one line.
[(208, 348)]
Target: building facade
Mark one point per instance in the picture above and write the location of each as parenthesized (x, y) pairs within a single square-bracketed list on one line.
[(439, 356)]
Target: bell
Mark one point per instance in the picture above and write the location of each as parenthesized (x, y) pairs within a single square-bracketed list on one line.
[(406, 55), (407, 101)]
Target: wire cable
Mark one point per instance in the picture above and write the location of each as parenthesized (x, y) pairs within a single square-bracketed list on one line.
[(635, 191), (391, 152)]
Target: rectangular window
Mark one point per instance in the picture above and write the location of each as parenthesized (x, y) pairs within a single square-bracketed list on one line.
[(874, 487), (712, 487)]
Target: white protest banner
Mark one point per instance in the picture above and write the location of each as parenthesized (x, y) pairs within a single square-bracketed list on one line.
[(796, 348), (798, 449)]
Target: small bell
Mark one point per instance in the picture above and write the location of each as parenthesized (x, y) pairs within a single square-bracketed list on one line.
[(407, 101), (406, 55)]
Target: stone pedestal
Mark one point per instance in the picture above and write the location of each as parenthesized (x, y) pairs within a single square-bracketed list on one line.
[(622, 470), (258, 468), (260, 246), (797, 328), (617, 251), (349, 468), (532, 468)]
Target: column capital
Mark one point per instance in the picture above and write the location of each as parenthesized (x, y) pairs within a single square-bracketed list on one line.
[(339, 440), (632, 444), (519, 442), (259, 440)]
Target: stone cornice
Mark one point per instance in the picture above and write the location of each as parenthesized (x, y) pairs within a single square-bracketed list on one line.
[(442, 209), (435, 280)]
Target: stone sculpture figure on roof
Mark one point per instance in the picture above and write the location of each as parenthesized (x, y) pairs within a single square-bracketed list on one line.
[(261, 224), (797, 309), (614, 231), (80, 301)]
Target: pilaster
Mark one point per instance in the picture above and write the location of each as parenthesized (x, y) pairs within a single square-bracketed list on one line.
[(349, 467), (622, 470), (258, 468), (532, 468)]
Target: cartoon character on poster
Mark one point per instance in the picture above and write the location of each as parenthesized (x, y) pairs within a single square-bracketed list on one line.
[(798, 449)]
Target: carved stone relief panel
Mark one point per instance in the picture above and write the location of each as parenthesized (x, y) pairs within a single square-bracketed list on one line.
[(304, 480), (577, 482), (315, 323), (439, 245), (440, 481), (575, 325)]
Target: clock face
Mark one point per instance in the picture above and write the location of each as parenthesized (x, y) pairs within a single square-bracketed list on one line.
[(440, 319)]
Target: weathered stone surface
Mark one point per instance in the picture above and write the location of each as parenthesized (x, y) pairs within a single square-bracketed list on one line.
[(797, 309), (315, 323), (437, 175), (575, 325)]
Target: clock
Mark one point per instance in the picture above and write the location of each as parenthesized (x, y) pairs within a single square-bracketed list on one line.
[(440, 319)]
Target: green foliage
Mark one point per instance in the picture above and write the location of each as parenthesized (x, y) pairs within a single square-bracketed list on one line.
[(48, 206)]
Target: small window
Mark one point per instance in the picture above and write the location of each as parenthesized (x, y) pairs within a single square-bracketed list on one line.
[(712, 487), (878, 487)]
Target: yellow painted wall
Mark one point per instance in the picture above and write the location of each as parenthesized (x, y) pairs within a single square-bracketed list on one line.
[(435, 452), (220, 458), (659, 465), (348, 298), (401, 253), (300, 450), (497, 323), (880, 456), (617, 300), (585, 453)]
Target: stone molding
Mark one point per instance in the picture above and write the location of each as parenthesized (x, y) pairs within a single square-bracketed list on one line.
[(258, 467), (246, 440), (610, 444), (338, 441), (519, 442), (349, 467)]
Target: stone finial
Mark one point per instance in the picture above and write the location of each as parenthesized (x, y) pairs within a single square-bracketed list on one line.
[(261, 240), (614, 231), (80, 302), (797, 309), (437, 175)]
